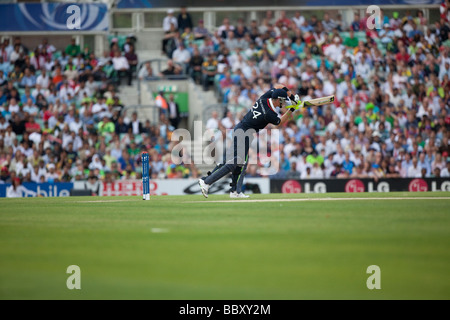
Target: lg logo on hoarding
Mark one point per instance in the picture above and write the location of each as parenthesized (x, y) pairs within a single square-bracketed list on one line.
[(74, 21)]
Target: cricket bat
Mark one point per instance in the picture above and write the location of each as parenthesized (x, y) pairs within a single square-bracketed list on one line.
[(319, 101)]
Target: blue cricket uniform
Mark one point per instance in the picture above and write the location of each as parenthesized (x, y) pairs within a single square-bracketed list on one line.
[(258, 117)]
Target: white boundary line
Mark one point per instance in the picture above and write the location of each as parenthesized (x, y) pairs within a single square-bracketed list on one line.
[(104, 201), (317, 199)]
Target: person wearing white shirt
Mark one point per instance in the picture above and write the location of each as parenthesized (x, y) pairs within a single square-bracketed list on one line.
[(31, 108), (225, 28), (443, 59), (135, 124), (344, 114), (3, 124), (288, 79), (414, 171), (45, 45), (38, 90), (331, 145), (15, 54), (91, 84), (82, 91), (120, 63), (37, 173), (75, 125), (168, 20), (99, 108), (298, 19), (444, 71), (407, 27), (321, 146), (13, 106), (308, 74), (395, 97), (316, 171), (16, 190), (329, 86), (335, 50), (445, 173), (24, 169), (65, 92), (407, 97), (43, 80), (212, 122), (121, 66), (306, 174), (228, 122), (363, 68), (146, 71), (52, 175), (182, 56), (49, 64), (103, 60)]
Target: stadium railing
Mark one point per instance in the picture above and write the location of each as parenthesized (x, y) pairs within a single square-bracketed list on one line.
[(157, 67), (222, 109), (151, 112)]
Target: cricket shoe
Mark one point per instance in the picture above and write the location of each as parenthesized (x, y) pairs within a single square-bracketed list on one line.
[(204, 187), (234, 194)]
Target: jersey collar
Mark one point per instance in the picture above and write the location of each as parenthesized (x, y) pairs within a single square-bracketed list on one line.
[(271, 104)]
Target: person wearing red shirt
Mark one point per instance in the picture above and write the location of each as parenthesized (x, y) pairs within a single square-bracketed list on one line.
[(285, 21), (31, 126), (402, 55)]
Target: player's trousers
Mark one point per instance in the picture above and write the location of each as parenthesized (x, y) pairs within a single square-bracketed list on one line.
[(236, 156)]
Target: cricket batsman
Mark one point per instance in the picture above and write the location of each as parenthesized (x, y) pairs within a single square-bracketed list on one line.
[(261, 114)]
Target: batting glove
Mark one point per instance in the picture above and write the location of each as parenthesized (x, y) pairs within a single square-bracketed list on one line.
[(297, 104)]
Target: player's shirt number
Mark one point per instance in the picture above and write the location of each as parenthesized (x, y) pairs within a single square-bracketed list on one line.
[(256, 114)]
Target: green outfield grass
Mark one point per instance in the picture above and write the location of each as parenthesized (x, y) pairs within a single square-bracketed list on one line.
[(188, 247)]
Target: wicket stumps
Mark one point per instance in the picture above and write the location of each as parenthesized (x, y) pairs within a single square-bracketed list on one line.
[(145, 177)]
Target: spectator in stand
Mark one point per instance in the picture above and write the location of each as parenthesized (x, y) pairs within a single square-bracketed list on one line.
[(209, 71), (121, 67), (16, 190), (136, 125), (171, 70), (224, 30), (28, 79), (298, 19), (351, 41), (132, 59), (170, 25), (445, 173), (200, 32), (184, 20), (72, 49), (174, 112), (328, 23), (121, 127), (213, 122), (195, 66), (129, 41), (182, 57), (357, 25), (414, 171), (146, 72), (106, 126)]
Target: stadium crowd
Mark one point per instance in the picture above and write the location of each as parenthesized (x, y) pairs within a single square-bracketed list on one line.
[(62, 119), (391, 114)]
